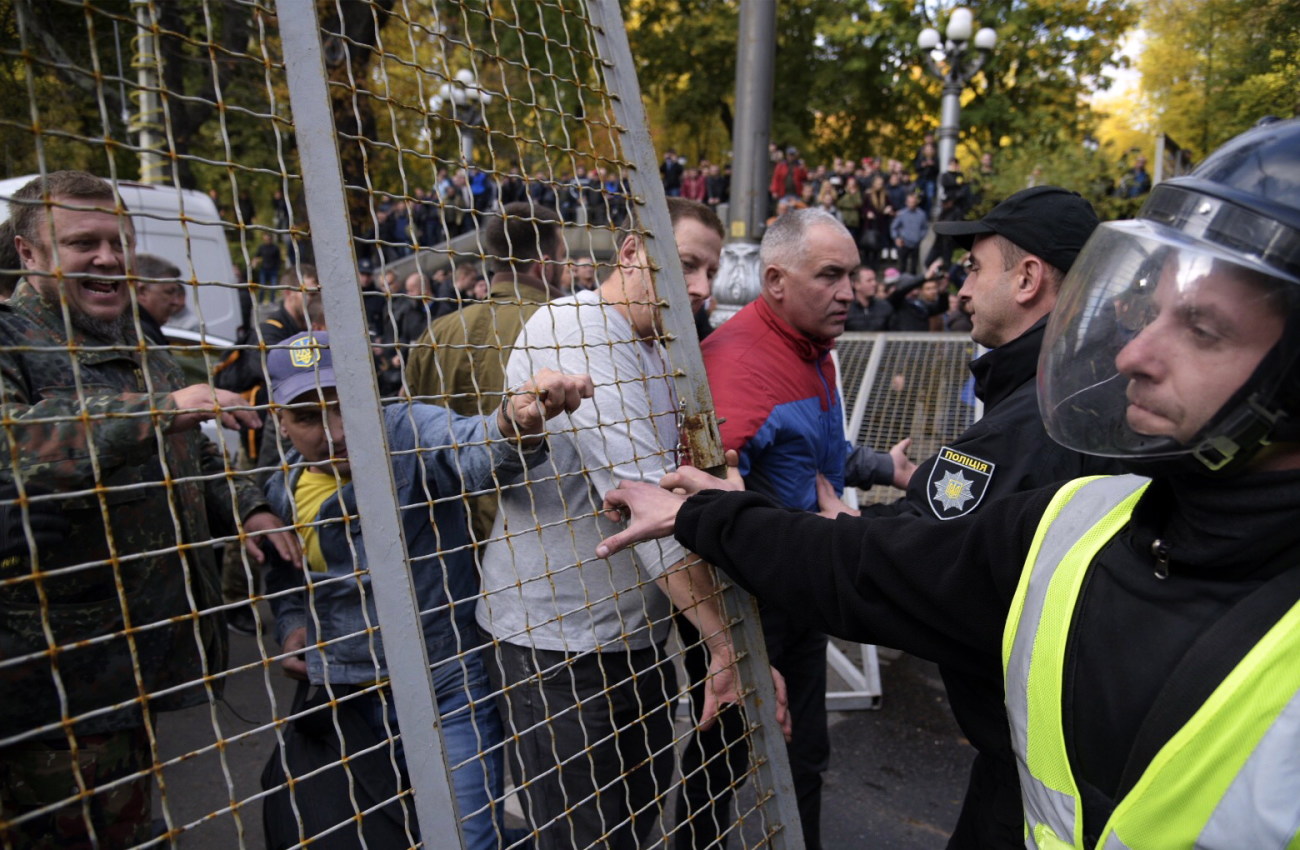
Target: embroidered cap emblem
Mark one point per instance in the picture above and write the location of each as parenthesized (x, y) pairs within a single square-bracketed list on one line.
[(304, 353), (957, 483)]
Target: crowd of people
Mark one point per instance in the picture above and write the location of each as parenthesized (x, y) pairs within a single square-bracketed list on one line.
[(1022, 559)]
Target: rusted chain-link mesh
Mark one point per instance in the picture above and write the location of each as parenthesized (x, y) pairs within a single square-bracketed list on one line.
[(156, 494)]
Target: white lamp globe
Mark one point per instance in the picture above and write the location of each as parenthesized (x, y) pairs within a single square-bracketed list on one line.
[(960, 23)]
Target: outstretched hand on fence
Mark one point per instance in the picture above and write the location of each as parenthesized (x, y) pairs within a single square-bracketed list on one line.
[(687, 480), (650, 512), (651, 515), (198, 403), (524, 411), (724, 689)]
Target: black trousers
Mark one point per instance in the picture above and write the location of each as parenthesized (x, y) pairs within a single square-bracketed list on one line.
[(591, 742), (715, 763)]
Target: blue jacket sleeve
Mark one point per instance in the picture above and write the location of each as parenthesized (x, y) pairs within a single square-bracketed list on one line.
[(454, 453)]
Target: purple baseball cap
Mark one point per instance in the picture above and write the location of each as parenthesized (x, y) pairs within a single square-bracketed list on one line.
[(301, 364)]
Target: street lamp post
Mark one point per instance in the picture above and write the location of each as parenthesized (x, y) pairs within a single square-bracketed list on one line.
[(467, 100), (955, 63)]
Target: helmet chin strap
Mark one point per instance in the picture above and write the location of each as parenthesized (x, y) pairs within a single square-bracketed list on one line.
[(1247, 428)]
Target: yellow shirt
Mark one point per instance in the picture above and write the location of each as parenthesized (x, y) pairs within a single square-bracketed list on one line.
[(311, 491)]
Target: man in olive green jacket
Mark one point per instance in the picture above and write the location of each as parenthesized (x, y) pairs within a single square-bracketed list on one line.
[(460, 361)]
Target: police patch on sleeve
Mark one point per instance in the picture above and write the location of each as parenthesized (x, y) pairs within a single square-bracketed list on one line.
[(957, 483)]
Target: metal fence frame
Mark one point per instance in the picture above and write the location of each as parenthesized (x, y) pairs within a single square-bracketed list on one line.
[(359, 404), (858, 361)]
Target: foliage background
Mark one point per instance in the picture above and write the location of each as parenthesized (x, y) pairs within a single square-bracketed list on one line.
[(849, 82)]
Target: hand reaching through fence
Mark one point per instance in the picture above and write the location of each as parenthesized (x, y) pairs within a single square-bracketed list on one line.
[(724, 690), (266, 525), (688, 480), (200, 402), (649, 510), (293, 664), (549, 393)]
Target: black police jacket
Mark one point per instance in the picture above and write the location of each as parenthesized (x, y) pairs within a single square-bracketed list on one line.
[(1007, 451), (942, 591)]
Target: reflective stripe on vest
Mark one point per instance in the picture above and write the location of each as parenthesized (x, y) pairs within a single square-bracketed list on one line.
[(1230, 778)]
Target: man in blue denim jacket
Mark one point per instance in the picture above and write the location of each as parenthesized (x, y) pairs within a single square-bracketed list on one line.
[(435, 454)]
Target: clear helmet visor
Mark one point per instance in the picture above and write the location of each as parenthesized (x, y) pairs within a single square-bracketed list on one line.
[(1153, 334)]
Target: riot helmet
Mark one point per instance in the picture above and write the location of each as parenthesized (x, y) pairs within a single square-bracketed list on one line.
[(1175, 340)]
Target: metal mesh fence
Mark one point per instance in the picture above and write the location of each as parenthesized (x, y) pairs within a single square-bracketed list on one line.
[(197, 501), (899, 385)]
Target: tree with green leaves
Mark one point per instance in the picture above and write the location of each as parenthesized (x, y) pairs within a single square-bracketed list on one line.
[(1212, 68), (849, 78)]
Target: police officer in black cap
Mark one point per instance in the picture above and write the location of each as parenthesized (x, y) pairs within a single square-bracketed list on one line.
[(1019, 253)]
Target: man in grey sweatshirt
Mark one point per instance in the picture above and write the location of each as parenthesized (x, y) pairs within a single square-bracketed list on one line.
[(586, 685)]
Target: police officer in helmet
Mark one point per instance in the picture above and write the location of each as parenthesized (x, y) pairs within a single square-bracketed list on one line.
[(1146, 624)]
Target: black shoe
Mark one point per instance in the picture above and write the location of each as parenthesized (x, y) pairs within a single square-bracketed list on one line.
[(241, 621)]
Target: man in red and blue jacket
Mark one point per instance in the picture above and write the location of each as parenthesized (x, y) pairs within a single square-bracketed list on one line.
[(773, 385)]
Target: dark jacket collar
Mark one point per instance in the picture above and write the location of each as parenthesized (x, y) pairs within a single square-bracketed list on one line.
[(1003, 370), (153, 331), (807, 349)]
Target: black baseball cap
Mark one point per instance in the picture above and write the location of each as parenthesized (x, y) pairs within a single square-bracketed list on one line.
[(1047, 221), (299, 365)]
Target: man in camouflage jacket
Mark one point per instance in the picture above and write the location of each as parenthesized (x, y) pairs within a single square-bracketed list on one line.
[(97, 425)]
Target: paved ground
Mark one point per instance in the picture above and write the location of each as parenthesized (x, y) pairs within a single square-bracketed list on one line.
[(895, 781), (898, 774)]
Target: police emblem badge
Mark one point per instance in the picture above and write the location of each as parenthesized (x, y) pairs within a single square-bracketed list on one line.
[(304, 353), (957, 483)]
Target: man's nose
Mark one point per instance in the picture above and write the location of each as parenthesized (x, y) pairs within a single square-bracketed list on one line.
[(1140, 355), (106, 254), (698, 285)]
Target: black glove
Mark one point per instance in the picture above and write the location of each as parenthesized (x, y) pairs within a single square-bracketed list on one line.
[(49, 526)]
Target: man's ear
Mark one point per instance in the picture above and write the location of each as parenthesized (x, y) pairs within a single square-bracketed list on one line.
[(26, 252), (774, 282), (1031, 280), (630, 253)]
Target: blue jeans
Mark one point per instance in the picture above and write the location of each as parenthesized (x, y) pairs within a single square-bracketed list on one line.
[(472, 741)]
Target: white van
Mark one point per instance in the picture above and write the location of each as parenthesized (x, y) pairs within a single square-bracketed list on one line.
[(183, 227)]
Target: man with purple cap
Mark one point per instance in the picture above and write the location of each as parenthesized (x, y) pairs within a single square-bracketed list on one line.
[(435, 454)]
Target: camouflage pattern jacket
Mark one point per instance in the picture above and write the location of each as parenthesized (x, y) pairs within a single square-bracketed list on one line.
[(81, 420)]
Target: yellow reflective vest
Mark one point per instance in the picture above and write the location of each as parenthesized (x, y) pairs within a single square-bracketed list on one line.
[(1229, 778)]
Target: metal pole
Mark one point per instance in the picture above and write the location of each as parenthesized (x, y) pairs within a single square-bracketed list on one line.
[(949, 126), (385, 545), (152, 167), (755, 61), (467, 145), (695, 405), (739, 273), (950, 118)]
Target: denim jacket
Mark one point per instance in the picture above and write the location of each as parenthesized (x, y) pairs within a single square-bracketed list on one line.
[(436, 456)]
